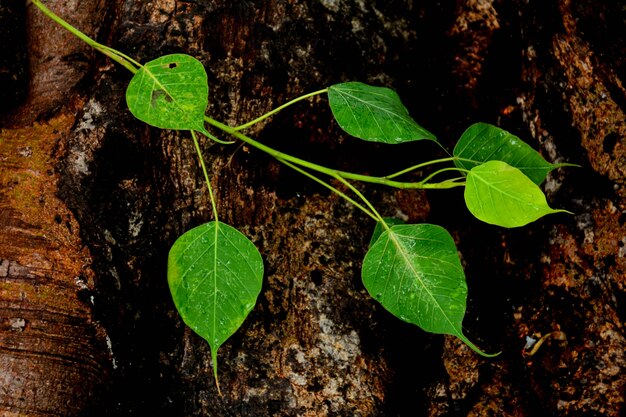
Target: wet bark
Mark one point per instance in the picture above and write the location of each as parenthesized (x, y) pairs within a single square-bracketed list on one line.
[(92, 200)]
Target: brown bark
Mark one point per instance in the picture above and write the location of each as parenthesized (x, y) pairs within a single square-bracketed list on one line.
[(92, 199), (54, 358)]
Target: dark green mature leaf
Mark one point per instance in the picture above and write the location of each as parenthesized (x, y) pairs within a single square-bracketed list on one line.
[(483, 142), (215, 275), (170, 92), (414, 271), (374, 114), (500, 194)]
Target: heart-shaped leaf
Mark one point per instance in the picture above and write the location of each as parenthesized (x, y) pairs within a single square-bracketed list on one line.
[(414, 271), (482, 142), (500, 194), (170, 92), (374, 114), (215, 275)]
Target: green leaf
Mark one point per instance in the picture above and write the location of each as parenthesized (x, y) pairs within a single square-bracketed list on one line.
[(414, 271), (374, 114), (500, 194), (170, 92), (215, 275), (483, 142)]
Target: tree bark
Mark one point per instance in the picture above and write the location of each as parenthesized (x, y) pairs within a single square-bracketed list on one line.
[(91, 200)]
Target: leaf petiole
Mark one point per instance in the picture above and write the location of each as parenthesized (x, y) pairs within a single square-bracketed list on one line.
[(331, 188), (434, 174), (277, 109), (377, 215), (420, 166), (206, 174)]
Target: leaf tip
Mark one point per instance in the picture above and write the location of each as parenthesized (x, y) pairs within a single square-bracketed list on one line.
[(217, 381), (488, 355), (566, 165), (475, 348)]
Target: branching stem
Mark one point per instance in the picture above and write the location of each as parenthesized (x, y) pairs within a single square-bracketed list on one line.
[(133, 66), (322, 169)]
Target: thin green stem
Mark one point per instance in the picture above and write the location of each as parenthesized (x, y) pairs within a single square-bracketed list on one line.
[(422, 165), (434, 174), (315, 167), (206, 174), (116, 56), (377, 215), (433, 162), (277, 109), (331, 188)]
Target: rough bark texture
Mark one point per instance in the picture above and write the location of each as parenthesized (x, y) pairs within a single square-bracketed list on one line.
[(92, 199)]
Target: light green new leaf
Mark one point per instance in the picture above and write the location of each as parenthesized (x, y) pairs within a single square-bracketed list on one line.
[(500, 194), (170, 92), (483, 142), (374, 114), (215, 275), (414, 271)]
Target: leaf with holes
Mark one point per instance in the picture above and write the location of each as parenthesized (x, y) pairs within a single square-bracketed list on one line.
[(374, 114), (500, 194), (170, 92), (415, 272), (482, 142), (215, 275)]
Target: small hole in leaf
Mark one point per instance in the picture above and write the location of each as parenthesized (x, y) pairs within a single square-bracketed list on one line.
[(173, 65), (155, 97)]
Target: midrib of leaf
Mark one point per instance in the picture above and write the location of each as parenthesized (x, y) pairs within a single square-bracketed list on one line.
[(216, 237), (161, 86), (490, 186), (215, 340), (421, 282), (392, 115), (501, 137), (493, 152), (356, 119), (515, 163)]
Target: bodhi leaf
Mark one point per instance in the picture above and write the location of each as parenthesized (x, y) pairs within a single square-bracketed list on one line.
[(215, 275), (482, 142), (374, 114), (170, 92), (500, 194), (414, 271)]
